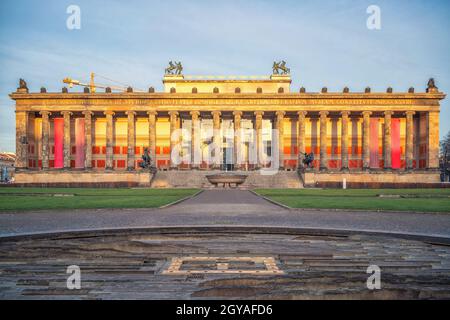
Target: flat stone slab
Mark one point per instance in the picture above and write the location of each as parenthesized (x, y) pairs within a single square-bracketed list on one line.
[(136, 265)]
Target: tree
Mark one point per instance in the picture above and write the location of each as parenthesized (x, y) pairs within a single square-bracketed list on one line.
[(445, 155)]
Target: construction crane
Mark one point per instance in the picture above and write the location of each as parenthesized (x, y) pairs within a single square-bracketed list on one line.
[(93, 86)]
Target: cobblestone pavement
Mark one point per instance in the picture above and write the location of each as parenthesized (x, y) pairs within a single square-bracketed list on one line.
[(224, 208), (135, 265)]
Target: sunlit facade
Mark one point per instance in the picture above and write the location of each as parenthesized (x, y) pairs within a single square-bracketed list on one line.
[(346, 132)]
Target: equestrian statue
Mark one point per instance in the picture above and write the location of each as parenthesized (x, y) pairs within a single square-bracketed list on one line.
[(280, 68), (174, 68)]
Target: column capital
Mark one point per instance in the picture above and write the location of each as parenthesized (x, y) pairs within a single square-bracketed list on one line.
[(195, 114), (86, 113), (280, 113), (237, 113), (130, 113), (173, 114), (345, 113), (109, 113), (302, 114), (45, 113), (216, 113), (410, 113), (68, 113), (152, 113), (259, 113), (324, 114), (367, 113), (388, 113)]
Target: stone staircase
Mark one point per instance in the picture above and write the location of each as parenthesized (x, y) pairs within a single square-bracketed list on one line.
[(280, 180), (197, 179)]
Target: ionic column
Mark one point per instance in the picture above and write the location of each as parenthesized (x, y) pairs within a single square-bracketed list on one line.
[(237, 140), (301, 137), (21, 140), (173, 138), (259, 144), (88, 139), (195, 138), (323, 140), (45, 151), (280, 127), (344, 140), (433, 140), (66, 147), (109, 139), (387, 140), (217, 139), (152, 135), (131, 143), (366, 139), (409, 140)]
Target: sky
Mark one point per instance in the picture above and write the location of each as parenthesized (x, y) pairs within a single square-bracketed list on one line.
[(325, 43)]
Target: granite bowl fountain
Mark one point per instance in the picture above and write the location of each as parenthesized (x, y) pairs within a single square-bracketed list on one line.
[(227, 180)]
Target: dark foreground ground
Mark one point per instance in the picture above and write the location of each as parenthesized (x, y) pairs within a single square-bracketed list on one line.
[(222, 263)]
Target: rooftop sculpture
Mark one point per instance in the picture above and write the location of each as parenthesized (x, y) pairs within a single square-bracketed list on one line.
[(431, 86), (174, 68), (280, 68)]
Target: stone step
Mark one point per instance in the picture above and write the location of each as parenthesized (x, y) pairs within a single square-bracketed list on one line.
[(197, 179)]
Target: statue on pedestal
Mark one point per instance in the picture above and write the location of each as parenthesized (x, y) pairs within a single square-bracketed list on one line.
[(147, 161), (431, 86), (22, 86), (308, 160)]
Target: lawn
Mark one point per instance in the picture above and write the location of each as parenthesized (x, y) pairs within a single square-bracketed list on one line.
[(22, 199), (423, 200)]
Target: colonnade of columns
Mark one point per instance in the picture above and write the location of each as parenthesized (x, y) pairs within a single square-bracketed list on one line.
[(174, 116)]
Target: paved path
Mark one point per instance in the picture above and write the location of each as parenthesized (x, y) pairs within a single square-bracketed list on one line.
[(227, 208)]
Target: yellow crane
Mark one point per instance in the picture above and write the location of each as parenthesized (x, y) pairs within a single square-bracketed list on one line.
[(93, 86)]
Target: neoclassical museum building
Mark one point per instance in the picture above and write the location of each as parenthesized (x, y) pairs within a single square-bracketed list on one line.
[(98, 136)]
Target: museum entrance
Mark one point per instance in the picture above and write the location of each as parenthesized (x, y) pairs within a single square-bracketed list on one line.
[(227, 159)]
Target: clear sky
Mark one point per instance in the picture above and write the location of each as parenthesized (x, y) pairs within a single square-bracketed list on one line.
[(325, 43)]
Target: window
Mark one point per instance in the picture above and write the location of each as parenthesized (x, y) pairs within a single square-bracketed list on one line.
[(237, 90), (280, 90), (194, 90), (216, 90), (259, 90), (173, 90)]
